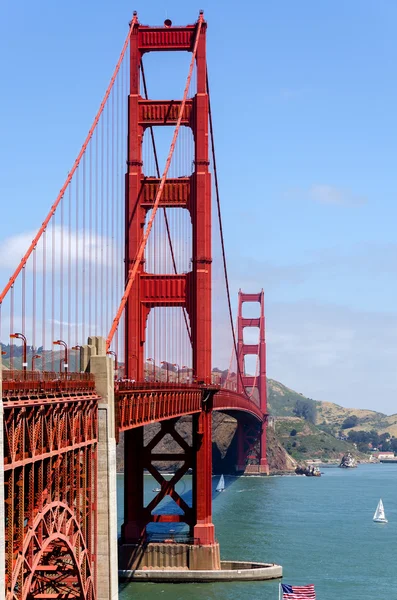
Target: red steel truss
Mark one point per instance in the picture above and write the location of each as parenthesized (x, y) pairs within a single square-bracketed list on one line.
[(252, 443), (50, 495), (142, 404)]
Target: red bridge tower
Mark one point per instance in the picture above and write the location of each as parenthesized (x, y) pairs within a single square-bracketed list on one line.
[(191, 291), (251, 441)]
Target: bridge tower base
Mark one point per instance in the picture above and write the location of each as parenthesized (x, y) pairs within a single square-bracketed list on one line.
[(200, 551)]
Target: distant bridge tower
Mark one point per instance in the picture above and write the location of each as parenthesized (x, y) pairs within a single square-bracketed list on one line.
[(252, 444)]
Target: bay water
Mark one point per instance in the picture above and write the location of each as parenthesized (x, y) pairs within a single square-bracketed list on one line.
[(319, 529)]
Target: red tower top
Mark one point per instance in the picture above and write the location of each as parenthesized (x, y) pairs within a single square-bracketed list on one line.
[(259, 350), (190, 291)]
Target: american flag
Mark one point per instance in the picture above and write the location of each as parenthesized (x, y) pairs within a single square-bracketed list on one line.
[(298, 592)]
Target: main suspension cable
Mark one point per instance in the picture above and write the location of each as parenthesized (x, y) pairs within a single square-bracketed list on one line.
[(73, 170)]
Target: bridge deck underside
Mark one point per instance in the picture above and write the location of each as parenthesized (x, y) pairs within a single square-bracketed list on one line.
[(138, 405)]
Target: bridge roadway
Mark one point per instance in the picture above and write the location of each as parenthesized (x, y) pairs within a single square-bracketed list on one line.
[(139, 404)]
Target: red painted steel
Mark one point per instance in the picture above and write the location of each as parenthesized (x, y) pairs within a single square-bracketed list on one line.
[(165, 38), (36, 384), (256, 385), (50, 496), (164, 112), (198, 301), (176, 193), (138, 405), (138, 515), (233, 402), (191, 291)]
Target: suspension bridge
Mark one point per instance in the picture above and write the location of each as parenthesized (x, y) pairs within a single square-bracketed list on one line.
[(107, 325)]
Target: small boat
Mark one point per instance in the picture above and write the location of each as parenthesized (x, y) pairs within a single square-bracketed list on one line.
[(221, 484), (379, 516), (157, 489)]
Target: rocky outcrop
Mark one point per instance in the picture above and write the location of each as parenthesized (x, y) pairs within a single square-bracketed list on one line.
[(278, 458)]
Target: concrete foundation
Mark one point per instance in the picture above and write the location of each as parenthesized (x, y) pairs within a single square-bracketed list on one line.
[(163, 555), (101, 366), (229, 571), (253, 469)]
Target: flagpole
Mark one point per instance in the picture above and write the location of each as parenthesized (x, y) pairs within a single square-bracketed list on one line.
[(279, 591)]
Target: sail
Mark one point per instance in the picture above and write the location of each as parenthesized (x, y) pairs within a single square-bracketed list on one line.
[(380, 512), (221, 484)]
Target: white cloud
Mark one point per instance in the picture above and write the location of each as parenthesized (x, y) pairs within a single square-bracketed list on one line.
[(96, 249), (328, 194), (334, 353)]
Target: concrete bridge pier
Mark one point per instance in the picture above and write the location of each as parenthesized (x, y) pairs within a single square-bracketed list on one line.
[(93, 358)]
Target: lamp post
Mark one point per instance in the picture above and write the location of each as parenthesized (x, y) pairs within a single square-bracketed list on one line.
[(20, 336), (177, 370), (77, 347), (154, 367), (34, 358), (113, 353), (65, 359), (163, 362)]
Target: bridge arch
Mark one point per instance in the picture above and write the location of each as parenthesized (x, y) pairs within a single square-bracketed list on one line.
[(54, 558)]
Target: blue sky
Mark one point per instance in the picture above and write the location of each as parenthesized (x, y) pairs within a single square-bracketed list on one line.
[(304, 98)]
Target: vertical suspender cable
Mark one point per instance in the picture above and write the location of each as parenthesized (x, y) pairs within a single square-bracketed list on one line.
[(218, 202), (138, 258), (164, 209), (72, 171)]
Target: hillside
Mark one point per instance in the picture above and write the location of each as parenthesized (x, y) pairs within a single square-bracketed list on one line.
[(282, 400), (330, 416), (304, 441)]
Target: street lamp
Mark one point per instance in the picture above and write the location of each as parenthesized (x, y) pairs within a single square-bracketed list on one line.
[(112, 352), (33, 359), (163, 362), (20, 336), (176, 365), (154, 367), (65, 359), (77, 347)]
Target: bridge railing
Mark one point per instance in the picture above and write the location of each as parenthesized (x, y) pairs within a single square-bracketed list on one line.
[(18, 383)]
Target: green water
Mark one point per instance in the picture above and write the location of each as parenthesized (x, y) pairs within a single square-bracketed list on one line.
[(319, 529)]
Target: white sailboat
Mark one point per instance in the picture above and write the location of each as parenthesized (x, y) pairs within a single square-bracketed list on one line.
[(221, 484), (379, 516)]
